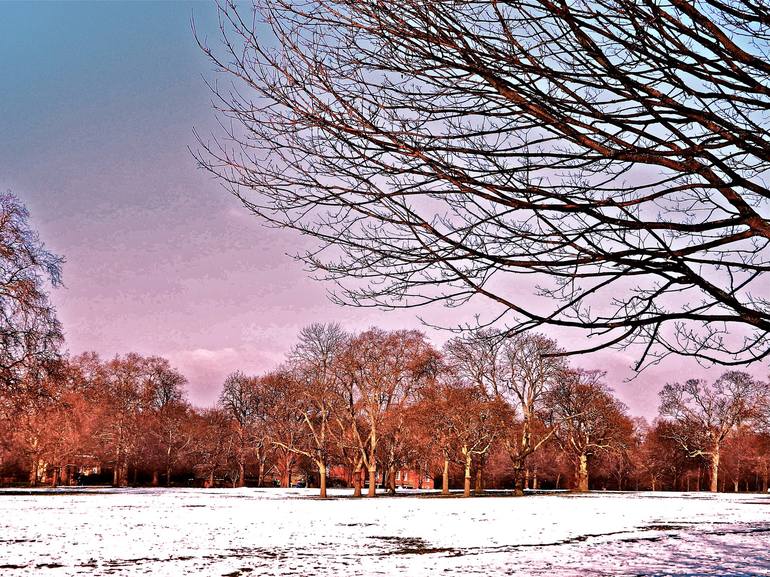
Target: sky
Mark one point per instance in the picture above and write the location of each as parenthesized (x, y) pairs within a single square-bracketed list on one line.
[(98, 103)]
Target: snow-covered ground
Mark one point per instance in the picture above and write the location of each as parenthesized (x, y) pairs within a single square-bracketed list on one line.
[(249, 532)]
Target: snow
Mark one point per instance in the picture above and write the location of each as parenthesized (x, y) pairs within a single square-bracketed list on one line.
[(241, 532)]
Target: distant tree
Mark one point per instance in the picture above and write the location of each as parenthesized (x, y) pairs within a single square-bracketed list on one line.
[(30, 333), (119, 386), (613, 152), (520, 371), (313, 364), (285, 426), (590, 420), (434, 412), (242, 399), (47, 428), (708, 413), (741, 451), (165, 415), (657, 454), (381, 370), (216, 445)]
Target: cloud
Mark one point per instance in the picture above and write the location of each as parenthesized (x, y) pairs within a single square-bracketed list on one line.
[(206, 369)]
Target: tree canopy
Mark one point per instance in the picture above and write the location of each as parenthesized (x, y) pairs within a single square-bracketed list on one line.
[(596, 166)]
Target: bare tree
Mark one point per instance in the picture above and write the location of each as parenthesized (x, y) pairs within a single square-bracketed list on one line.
[(612, 151), (590, 420), (30, 333), (707, 413), (165, 414), (520, 371), (381, 370), (242, 400), (317, 395), (285, 420)]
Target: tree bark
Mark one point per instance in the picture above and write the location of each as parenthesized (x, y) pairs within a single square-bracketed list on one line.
[(322, 479), (155, 476), (479, 487), (261, 473), (518, 481), (714, 471), (467, 485), (372, 481), (357, 473), (582, 474), (33, 473), (445, 477), (241, 474)]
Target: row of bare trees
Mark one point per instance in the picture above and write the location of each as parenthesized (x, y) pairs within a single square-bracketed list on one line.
[(486, 410)]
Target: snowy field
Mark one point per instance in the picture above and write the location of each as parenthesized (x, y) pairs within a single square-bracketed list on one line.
[(249, 532)]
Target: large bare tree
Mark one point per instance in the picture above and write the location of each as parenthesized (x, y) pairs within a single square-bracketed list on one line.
[(521, 371), (590, 420), (30, 333), (613, 151), (316, 391), (708, 412)]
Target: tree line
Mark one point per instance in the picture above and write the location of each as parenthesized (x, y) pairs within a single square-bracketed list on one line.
[(487, 410)]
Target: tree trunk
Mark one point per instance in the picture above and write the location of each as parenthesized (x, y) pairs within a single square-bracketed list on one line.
[(55, 477), (372, 465), (357, 481), (479, 487), (714, 472), (155, 480), (322, 479), (261, 472), (582, 474), (392, 479), (735, 486), (518, 480), (558, 479), (33, 473), (445, 477), (168, 475), (467, 485), (372, 481), (241, 474)]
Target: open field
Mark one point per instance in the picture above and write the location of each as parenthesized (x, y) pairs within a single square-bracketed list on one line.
[(285, 532)]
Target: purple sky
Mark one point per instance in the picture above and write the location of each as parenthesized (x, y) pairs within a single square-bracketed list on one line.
[(97, 107)]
